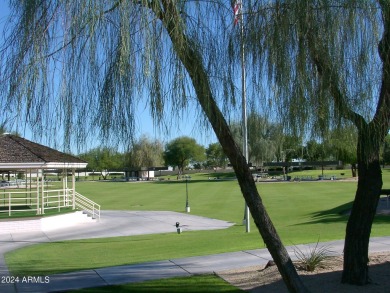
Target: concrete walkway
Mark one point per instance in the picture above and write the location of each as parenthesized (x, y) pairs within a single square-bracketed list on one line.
[(17, 234), (150, 222)]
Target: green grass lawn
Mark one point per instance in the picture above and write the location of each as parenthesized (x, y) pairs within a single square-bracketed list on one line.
[(302, 213), (194, 284)]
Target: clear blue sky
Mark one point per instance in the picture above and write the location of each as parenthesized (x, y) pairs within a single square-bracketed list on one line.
[(144, 124)]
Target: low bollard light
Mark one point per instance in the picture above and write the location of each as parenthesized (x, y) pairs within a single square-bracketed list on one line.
[(178, 229)]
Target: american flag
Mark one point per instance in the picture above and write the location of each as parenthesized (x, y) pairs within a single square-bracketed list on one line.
[(237, 5)]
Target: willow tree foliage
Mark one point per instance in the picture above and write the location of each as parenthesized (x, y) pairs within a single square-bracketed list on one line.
[(342, 143), (145, 152), (328, 63), (69, 65), (81, 68), (266, 138)]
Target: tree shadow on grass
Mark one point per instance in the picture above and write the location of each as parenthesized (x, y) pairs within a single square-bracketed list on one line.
[(339, 214), (333, 215)]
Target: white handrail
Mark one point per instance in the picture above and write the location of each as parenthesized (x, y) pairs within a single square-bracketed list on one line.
[(58, 198), (87, 205), (11, 199)]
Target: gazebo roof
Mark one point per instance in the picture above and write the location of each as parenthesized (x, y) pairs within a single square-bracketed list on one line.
[(20, 153)]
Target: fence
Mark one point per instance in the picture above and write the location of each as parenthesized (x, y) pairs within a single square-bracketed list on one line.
[(12, 202)]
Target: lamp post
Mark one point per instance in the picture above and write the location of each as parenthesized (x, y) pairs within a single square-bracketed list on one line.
[(188, 209), (243, 101)]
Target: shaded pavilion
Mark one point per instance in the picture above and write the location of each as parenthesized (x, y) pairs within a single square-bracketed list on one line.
[(20, 155)]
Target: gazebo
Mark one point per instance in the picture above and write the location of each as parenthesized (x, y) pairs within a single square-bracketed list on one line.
[(22, 156)]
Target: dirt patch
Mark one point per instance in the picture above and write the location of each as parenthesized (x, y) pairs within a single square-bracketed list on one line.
[(326, 278)]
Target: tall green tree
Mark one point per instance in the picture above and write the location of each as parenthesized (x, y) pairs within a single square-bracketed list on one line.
[(145, 152), (328, 62), (103, 160), (215, 157), (181, 152), (314, 151), (264, 138), (342, 144), (290, 147)]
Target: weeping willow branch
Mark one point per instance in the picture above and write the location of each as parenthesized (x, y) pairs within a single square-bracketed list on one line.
[(382, 114), (191, 58), (323, 62)]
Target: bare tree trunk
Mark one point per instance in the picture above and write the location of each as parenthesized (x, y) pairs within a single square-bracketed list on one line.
[(245, 180), (363, 211), (251, 195), (353, 170), (370, 137), (194, 66)]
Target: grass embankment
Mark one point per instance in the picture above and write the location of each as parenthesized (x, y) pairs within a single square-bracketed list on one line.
[(302, 213)]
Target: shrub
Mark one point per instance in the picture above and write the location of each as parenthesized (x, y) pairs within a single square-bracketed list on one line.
[(312, 258)]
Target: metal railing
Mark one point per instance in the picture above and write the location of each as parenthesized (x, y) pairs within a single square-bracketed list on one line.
[(88, 206), (12, 202), (57, 199), (17, 201)]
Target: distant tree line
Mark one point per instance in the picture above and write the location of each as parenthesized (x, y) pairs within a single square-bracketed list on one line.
[(267, 142)]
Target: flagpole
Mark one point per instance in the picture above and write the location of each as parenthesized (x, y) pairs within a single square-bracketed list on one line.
[(244, 110)]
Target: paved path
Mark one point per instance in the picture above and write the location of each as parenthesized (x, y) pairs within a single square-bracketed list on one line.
[(152, 270), (111, 224)]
